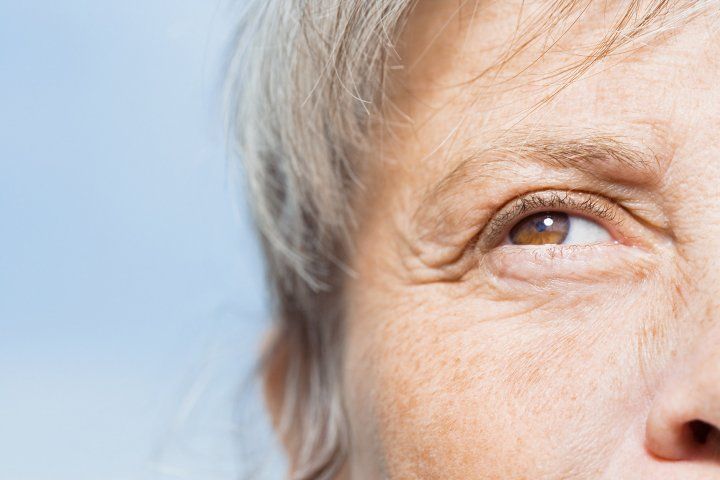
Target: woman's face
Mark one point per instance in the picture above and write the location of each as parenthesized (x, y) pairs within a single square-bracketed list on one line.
[(538, 282)]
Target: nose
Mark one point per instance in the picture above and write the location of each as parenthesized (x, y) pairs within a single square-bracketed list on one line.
[(685, 417)]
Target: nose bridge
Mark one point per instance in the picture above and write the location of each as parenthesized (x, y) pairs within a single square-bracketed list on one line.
[(711, 312), (692, 192), (700, 374), (684, 420), (704, 285), (698, 256)]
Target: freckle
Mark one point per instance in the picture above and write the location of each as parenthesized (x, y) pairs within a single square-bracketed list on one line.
[(709, 312)]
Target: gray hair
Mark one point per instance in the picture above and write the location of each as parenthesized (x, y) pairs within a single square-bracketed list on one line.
[(306, 81), (304, 88)]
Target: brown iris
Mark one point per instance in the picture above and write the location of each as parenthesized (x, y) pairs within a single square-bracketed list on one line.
[(541, 229)]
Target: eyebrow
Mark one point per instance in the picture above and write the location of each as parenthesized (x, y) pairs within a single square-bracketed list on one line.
[(606, 157)]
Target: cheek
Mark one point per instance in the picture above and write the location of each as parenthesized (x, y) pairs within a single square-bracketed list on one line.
[(445, 387)]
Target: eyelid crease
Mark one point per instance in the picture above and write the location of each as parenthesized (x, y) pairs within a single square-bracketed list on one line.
[(533, 202)]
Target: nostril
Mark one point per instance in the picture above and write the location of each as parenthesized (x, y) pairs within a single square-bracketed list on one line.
[(700, 431)]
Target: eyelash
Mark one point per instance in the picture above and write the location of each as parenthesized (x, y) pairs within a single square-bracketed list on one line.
[(591, 205)]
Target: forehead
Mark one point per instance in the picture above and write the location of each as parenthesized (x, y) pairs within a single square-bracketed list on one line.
[(479, 68)]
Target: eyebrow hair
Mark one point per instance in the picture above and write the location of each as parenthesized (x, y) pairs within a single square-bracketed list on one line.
[(602, 156)]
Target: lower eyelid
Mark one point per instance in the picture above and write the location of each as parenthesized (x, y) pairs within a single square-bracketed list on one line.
[(593, 263)]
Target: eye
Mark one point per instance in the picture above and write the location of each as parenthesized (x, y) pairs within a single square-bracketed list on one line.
[(557, 228)]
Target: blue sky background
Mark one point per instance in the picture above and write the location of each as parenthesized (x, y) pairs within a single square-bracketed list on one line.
[(131, 297)]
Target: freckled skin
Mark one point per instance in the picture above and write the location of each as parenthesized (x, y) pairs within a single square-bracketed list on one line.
[(572, 364)]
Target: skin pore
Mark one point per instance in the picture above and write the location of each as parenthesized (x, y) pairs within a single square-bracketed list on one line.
[(468, 356)]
